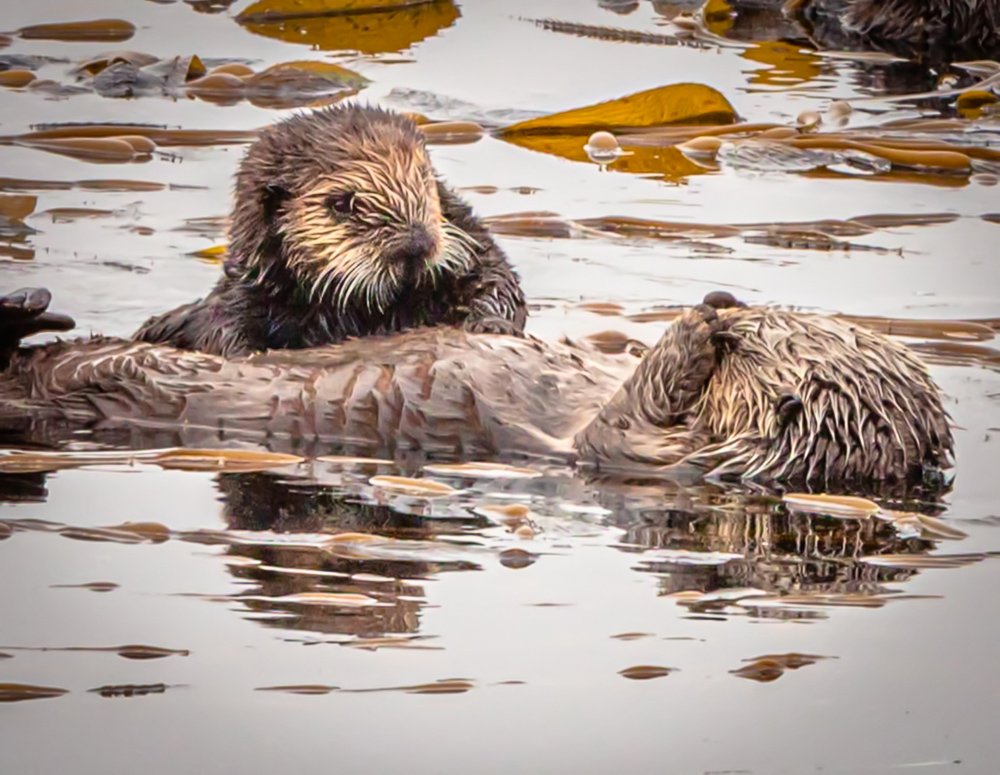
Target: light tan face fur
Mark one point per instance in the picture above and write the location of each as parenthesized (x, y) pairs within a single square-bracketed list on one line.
[(343, 231)]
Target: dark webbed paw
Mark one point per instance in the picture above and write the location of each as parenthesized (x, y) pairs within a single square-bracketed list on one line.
[(491, 325), (24, 312), (719, 334), (721, 300)]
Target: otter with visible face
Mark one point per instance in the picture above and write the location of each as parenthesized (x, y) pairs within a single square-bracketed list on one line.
[(340, 228)]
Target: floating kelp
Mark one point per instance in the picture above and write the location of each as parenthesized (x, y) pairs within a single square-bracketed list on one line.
[(130, 651), (404, 485), (764, 669), (127, 533), (367, 26), (645, 672), (11, 692), (687, 103), (445, 686), (16, 79), (94, 30), (188, 459), (93, 586), (844, 506), (475, 470)]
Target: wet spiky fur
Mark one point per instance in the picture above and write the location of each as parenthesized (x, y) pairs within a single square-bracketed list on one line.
[(756, 393), (931, 30), (773, 395), (340, 228)]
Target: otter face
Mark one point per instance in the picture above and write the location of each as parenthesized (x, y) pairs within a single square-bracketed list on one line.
[(355, 213)]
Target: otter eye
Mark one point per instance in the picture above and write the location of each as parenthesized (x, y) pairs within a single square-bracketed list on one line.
[(341, 204)]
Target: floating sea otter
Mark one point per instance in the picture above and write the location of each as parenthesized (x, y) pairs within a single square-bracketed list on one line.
[(340, 228), (763, 394), (932, 30)]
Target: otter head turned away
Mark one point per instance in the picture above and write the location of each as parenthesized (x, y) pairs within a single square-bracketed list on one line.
[(340, 227)]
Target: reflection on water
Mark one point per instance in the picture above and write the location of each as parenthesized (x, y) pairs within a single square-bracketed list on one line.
[(542, 623)]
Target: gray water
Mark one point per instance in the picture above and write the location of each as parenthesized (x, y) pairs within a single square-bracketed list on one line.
[(522, 630)]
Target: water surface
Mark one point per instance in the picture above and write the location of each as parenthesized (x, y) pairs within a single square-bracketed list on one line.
[(444, 636)]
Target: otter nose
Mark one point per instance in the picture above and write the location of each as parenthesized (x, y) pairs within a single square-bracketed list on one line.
[(416, 246)]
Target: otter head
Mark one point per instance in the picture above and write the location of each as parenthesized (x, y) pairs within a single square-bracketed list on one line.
[(344, 201)]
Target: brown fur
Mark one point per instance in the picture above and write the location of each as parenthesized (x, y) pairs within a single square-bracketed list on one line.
[(340, 228), (931, 30), (762, 394)]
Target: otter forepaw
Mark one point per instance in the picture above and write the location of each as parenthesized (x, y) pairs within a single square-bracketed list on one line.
[(491, 325), (24, 312), (722, 300), (719, 335)]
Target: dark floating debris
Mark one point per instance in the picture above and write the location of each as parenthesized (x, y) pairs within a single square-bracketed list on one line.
[(129, 690)]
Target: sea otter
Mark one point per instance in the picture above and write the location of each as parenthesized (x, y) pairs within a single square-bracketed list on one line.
[(936, 31), (752, 392), (340, 228)]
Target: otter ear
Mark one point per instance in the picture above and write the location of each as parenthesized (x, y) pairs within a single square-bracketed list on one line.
[(271, 199)]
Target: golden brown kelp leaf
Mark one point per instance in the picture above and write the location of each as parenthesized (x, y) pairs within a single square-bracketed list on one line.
[(224, 459), (330, 25), (217, 88), (947, 330), (94, 30), (158, 134), (300, 83), (336, 599), (677, 103), (93, 586), (444, 686), (666, 162), (922, 561), (632, 635), (215, 254), (299, 689), (788, 65), (405, 485), (451, 132), (845, 506), (18, 692), (274, 10), (763, 670), (645, 672), (17, 207), (16, 79), (129, 651), (128, 533), (474, 470), (97, 149)]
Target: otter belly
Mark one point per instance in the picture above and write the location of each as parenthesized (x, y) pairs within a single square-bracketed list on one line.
[(442, 392), (781, 396)]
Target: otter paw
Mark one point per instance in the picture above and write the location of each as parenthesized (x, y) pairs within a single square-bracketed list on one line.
[(721, 300), (24, 312), (719, 334), (491, 325)]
